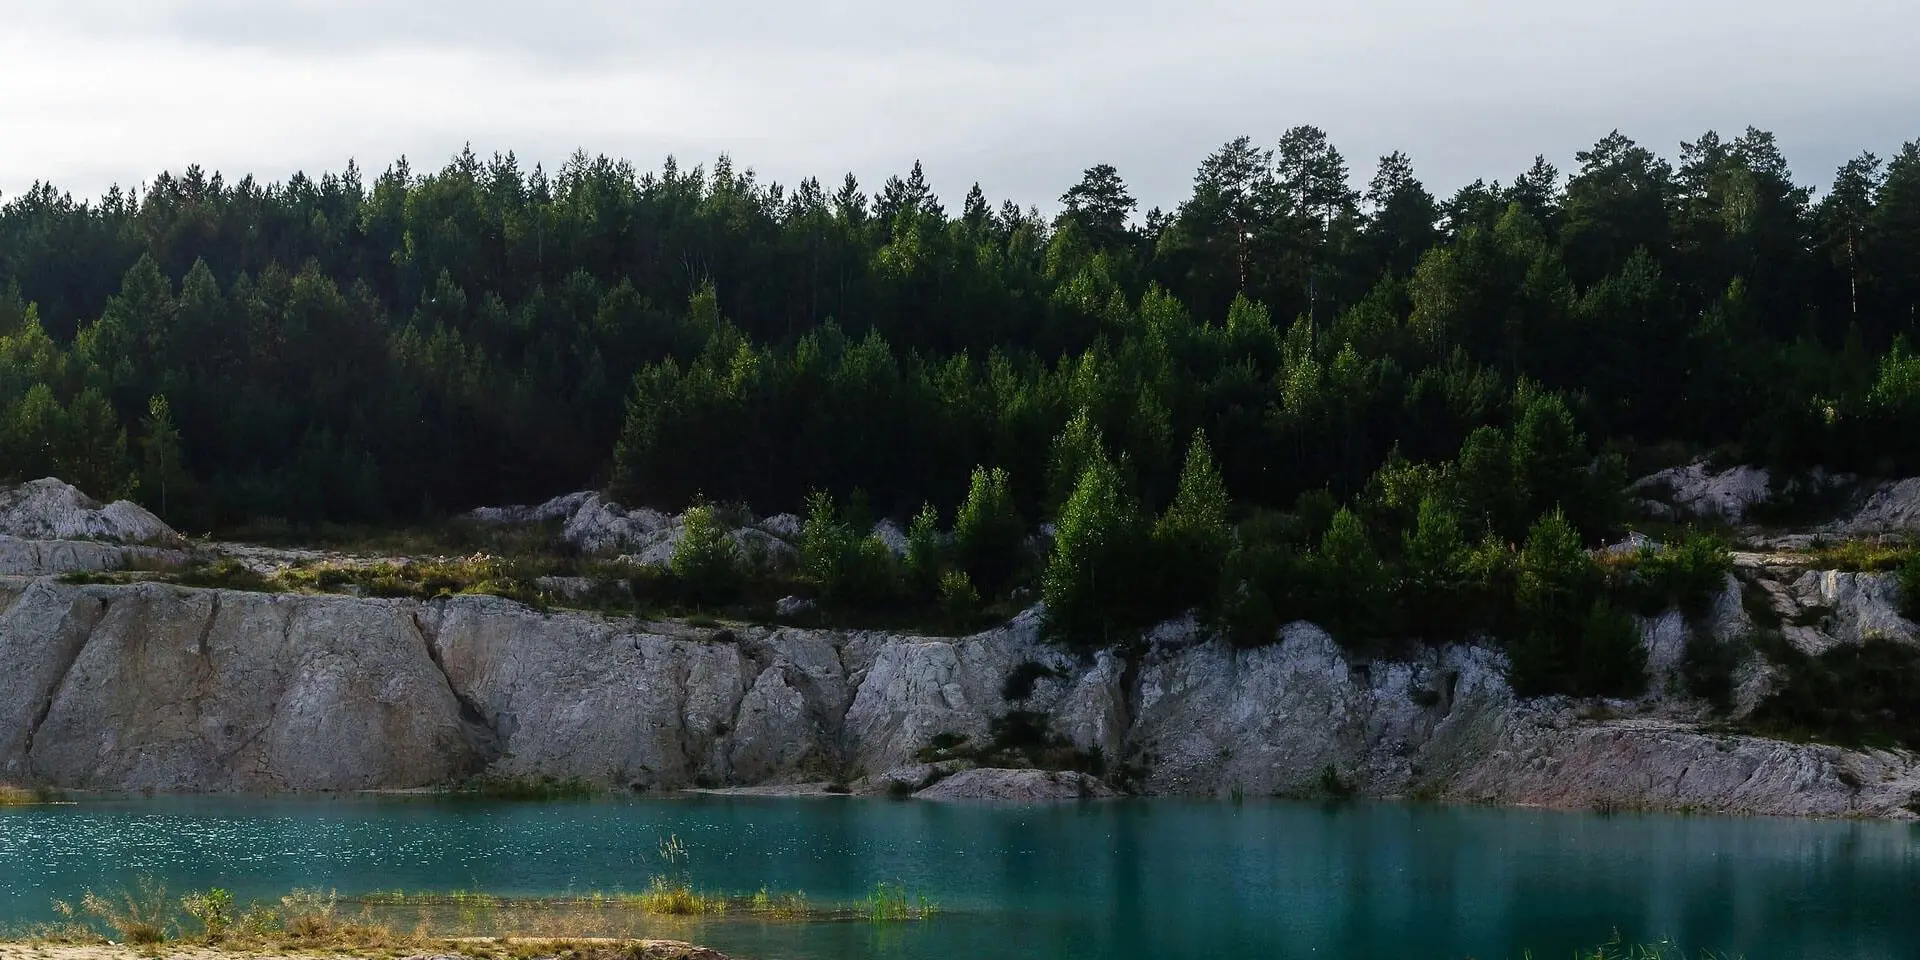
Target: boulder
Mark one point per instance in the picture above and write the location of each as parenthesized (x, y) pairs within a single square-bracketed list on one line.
[(1725, 495), (51, 510), (1016, 786)]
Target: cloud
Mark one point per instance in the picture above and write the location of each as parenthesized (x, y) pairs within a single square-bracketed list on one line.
[(1018, 95)]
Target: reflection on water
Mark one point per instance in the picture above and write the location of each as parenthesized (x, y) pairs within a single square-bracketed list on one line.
[(1135, 879)]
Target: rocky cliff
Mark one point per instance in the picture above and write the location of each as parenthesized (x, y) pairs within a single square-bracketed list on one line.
[(150, 685), (164, 687)]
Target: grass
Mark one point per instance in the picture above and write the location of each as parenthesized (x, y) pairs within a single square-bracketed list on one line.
[(1860, 556), (12, 796), (397, 922), (892, 903)]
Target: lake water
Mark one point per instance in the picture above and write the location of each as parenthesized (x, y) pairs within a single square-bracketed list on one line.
[(1134, 879)]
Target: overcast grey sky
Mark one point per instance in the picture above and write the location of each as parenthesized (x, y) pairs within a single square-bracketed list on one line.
[(1020, 95)]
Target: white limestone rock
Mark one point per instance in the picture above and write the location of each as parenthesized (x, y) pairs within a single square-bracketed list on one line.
[(1725, 495), (51, 510), (1016, 786)]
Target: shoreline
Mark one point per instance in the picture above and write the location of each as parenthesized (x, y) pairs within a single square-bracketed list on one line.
[(67, 798), (451, 948)]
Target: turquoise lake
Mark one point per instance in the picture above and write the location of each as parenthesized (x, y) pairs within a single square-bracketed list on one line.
[(1132, 879)]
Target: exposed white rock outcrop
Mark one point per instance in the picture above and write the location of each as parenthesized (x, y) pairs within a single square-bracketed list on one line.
[(48, 527), (1851, 608), (158, 686), (33, 558), (1702, 492), (1890, 508), (595, 525), (51, 510), (1016, 786)]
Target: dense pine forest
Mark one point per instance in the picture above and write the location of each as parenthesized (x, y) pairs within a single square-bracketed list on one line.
[(1360, 369)]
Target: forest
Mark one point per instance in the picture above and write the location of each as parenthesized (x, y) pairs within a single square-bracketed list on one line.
[(1405, 393)]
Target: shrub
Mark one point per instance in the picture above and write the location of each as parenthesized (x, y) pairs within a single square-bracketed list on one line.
[(1909, 579), (212, 909), (138, 916), (926, 555), (958, 599), (1707, 666), (1857, 695), (1569, 641), (706, 561), (850, 568), (1689, 576)]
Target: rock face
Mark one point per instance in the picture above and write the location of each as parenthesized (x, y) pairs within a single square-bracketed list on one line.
[(1892, 508), (1699, 490), (153, 686), (156, 686), (48, 527)]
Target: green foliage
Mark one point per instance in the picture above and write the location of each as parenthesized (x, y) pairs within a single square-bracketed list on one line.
[(926, 552), (522, 788), (1093, 583), (1853, 695), (989, 537), (705, 560), (959, 601), (1436, 586), (851, 568), (1569, 640), (1193, 536), (1707, 665), (1689, 576), (1351, 583), (1909, 579), (212, 910)]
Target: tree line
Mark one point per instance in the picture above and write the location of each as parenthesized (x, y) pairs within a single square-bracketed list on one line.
[(1354, 360)]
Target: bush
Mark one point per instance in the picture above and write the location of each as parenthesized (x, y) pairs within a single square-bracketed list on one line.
[(958, 599), (1909, 578), (1852, 696), (1569, 641), (706, 561), (850, 569), (1707, 665), (1688, 577)]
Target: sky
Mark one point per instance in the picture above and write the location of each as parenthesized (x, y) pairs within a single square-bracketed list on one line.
[(1018, 95)]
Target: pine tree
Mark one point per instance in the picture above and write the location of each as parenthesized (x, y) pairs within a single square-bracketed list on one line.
[(164, 471), (1193, 535), (705, 560), (1092, 583), (989, 537)]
